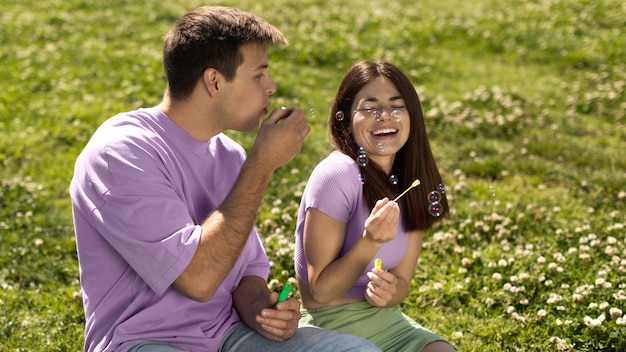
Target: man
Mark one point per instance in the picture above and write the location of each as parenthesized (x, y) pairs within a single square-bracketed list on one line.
[(164, 204)]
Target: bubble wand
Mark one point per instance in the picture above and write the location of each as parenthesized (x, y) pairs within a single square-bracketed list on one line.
[(414, 184), (284, 293)]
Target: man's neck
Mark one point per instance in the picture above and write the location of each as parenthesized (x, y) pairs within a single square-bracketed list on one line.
[(190, 117)]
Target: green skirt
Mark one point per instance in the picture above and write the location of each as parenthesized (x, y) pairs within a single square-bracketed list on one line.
[(388, 328)]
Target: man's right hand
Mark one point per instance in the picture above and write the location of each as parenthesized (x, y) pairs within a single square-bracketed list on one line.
[(280, 137)]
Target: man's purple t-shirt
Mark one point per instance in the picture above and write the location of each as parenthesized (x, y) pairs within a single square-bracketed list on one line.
[(335, 189), (141, 187)]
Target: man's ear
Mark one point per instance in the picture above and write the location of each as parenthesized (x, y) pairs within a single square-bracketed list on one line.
[(212, 81)]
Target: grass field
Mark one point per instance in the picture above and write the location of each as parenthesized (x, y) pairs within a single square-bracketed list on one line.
[(525, 104)]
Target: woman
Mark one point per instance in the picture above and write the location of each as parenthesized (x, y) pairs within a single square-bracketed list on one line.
[(348, 218)]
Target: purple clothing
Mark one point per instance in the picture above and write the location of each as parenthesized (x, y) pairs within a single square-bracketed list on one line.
[(141, 188), (335, 189)]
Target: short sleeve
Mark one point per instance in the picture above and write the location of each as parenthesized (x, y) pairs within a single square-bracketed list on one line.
[(332, 189)]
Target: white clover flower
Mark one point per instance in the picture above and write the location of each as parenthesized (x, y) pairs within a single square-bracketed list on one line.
[(578, 298), (594, 323), (502, 263), (517, 289), (541, 260), (437, 286), (554, 299), (548, 283), (496, 276), (457, 335), (562, 345), (615, 312), (593, 305), (524, 301), (604, 305), (466, 261), (601, 282), (76, 295), (513, 279), (462, 270), (510, 309), (559, 257), (286, 218), (584, 256)]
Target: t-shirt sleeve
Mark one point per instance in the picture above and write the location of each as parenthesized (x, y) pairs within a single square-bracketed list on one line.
[(142, 217), (257, 263), (332, 189)]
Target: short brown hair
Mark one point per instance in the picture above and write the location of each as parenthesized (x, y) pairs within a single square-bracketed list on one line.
[(210, 37)]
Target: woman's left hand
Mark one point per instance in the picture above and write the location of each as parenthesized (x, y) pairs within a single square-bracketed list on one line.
[(381, 288)]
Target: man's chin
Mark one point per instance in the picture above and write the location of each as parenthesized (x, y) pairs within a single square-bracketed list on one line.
[(249, 128)]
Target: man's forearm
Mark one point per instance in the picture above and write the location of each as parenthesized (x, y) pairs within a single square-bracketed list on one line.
[(224, 234)]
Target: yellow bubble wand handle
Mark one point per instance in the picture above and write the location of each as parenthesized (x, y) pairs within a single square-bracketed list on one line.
[(378, 264)]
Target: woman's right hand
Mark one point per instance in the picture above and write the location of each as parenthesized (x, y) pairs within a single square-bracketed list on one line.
[(381, 225)]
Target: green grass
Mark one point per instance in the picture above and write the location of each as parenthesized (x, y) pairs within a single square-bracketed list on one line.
[(525, 105)]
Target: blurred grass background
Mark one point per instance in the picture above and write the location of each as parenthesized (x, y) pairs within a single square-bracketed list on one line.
[(525, 109)]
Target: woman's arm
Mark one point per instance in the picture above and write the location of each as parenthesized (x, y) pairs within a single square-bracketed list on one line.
[(330, 276), (389, 288)]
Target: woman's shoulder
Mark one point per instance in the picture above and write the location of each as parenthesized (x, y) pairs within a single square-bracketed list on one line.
[(337, 163), (336, 173)]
